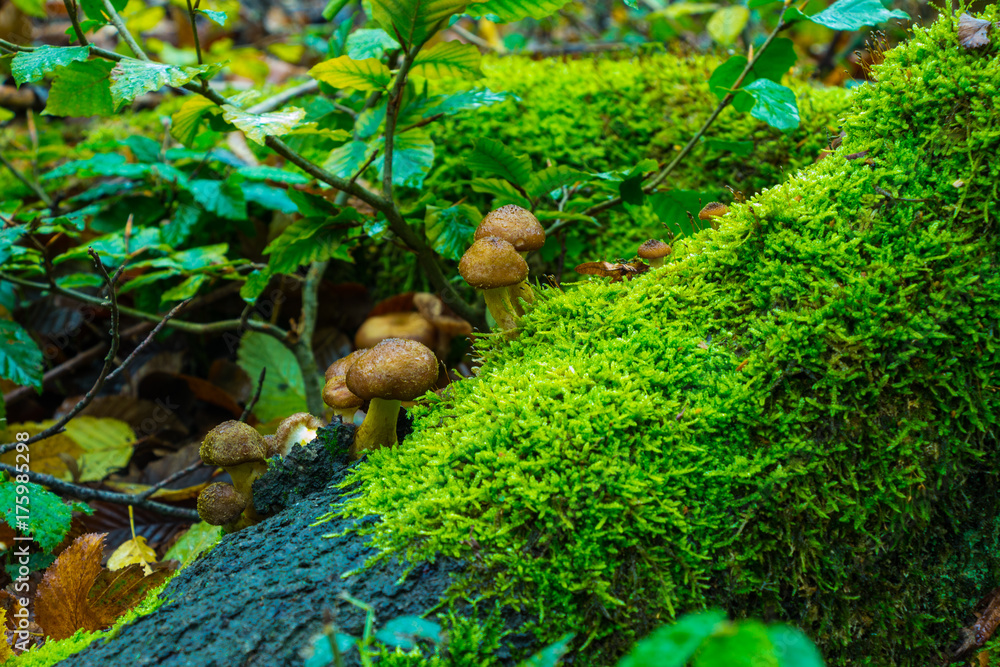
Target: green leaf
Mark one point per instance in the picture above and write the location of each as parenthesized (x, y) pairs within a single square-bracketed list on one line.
[(412, 158), (283, 392), (744, 644), (754, 4), (20, 358), (82, 89), (448, 60), (255, 284), (223, 198), (742, 148), (311, 239), (463, 101), (8, 237), (508, 11), (727, 23), (101, 164), (450, 230), (776, 60), (181, 225), (217, 17), (266, 173), (185, 290), (504, 192), (621, 175), (184, 123), (259, 127), (673, 207), (50, 517), (272, 198), (313, 205), (344, 161), (198, 538), (775, 105), (369, 43), (725, 76), (106, 443), (495, 157), (405, 630), (551, 654), (29, 66), (855, 14), (95, 8), (413, 21), (132, 78), (793, 648), (553, 178), (5, 115), (672, 645), (343, 72), (679, 9), (31, 7)]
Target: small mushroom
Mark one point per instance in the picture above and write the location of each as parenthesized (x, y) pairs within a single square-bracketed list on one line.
[(220, 504), (242, 452), (712, 210), (335, 391), (492, 265), (299, 429), (519, 227), (431, 308), (393, 371), (395, 325), (653, 251)]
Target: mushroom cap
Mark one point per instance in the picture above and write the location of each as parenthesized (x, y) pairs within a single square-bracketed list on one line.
[(297, 428), (515, 225), (431, 308), (232, 443), (395, 325), (653, 249), (491, 262), (713, 209), (220, 503), (395, 369), (340, 366), (335, 391)]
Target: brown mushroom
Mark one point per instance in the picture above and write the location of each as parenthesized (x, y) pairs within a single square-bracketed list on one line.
[(299, 429), (335, 391), (242, 452), (519, 227), (712, 210), (431, 308), (492, 265), (653, 251), (395, 325), (393, 371), (220, 504)]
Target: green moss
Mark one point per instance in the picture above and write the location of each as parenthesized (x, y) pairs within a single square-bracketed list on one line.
[(795, 419)]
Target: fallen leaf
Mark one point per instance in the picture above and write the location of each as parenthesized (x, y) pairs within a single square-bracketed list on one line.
[(973, 33), (5, 652), (114, 593), (61, 607), (133, 552)]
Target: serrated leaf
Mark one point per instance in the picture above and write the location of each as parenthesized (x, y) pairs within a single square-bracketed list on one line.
[(504, 192), (776, 61), (412, 158), (258, 127), (132, 552), (672, 645), (50, 517), (345, 161), (255, 284), (223, 198), (184, 123), (82, 89), (508, 11), (30, 66), (553, 178), (308, 240), (132, 78), (413, 21), (369, 43), (343, 72), (451, 230), (180, 225), (283, 392), (448, 60), (495, 157), (855, 14), (775, 104), (275, 199), (727, 23), (61, 606), (725, 76), (101, 164), (20, 358)]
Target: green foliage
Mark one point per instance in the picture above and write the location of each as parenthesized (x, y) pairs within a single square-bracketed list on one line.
[(411, 22), (775, 104), (20, 358), (258, 127), (32, 66), (47, 516), (345, 72), (284, 391), (81, 89), (793, 418), (856, 14)]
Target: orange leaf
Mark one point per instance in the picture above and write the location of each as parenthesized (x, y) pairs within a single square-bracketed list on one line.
[(61, 607), (114, 593)]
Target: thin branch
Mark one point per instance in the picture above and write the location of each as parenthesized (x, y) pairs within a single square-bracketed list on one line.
[(277, 101), (666, 171), (256, 397), (304, 347), (476, 39), (391, 113), (421, 123), (367, 164), (74, 16), (86, 493), (35, 187), (152, 334), (194, 31), (123, 32), (171, 478)]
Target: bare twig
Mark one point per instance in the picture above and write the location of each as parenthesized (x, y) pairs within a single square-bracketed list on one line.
[(171, 478), (256, 397), (421, 123), (475, 39), (123, 32), (285, 96), (194, 31), (304, 347), (152, 334), (74, 16)]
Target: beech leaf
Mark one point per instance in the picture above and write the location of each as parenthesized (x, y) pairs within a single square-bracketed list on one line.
[(30, 66), (61, 605), (259, 127)]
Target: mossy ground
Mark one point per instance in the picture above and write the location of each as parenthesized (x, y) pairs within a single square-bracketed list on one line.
[(795, 419)]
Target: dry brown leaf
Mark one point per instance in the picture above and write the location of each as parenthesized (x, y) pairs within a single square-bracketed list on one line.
[(973, 33), (114, 593), (61, 607)]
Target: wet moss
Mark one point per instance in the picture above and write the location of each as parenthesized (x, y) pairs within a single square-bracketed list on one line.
[(795, 419)]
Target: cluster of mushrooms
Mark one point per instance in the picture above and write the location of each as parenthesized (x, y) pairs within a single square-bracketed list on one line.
[(394, 362)]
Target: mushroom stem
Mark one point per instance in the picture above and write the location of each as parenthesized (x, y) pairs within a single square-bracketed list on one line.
[(522, 290), (378, 429), (499, 304), (656, 262)]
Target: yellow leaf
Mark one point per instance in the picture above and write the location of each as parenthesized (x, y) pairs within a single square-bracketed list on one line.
[(5, 652), (49, 455), (134, 551), (106, 444)]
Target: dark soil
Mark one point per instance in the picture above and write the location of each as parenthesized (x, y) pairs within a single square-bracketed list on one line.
[(260, 595)]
